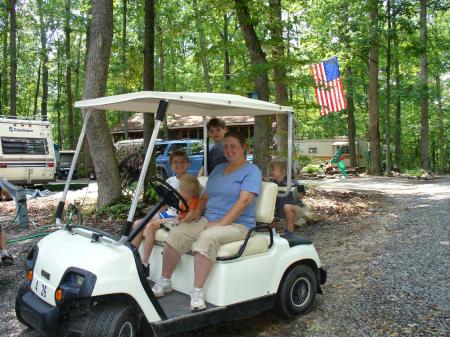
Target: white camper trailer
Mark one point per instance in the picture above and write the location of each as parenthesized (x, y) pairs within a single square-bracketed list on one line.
[(324, 149), (27, 155)]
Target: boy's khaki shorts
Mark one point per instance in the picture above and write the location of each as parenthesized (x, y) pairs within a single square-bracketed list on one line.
[(193, 237)]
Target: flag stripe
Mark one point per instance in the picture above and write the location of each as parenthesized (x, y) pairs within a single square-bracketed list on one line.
[(329, 93)]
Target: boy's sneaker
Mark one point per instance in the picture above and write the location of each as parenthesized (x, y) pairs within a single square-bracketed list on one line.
[(197, 301), (161, 287), (287, 233), (7, 260)]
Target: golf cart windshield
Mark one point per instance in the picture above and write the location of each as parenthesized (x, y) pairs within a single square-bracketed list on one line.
[(177, 103)]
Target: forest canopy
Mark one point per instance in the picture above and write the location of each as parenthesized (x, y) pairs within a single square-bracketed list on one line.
[(198, 46)]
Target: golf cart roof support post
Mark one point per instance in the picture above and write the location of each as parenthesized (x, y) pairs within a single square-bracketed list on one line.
[(205, 147), (60, 208), (159, 116)]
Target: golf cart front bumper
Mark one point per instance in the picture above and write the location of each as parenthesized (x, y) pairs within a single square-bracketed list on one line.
[(37, 314)]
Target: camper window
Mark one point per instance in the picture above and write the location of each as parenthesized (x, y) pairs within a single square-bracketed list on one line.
[(24, 145), (312, 150)]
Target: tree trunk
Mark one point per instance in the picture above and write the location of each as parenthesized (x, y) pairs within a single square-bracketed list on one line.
[(388, 90), (44, 60), (124, 63), (261, 141), (202, 44), (99, 138), (58, 93), (4, 75), (67, 30), (424, 140), (149, 77), (398, 111), (36, 92), (12, 59), (374, 133), (226, 54), (279, 73), (442, 157), (351, 126), (161, 74)]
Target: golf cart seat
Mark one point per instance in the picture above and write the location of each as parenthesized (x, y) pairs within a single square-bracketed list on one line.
[(258, 243)]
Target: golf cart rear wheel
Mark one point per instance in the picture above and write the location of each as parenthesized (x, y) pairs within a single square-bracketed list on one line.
[(111, 320), (297, 292)]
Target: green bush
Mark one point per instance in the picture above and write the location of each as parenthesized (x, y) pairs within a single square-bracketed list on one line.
[(311, 169), (416, 172)]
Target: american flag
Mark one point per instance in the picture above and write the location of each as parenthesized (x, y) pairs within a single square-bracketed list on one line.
[(328, 86)]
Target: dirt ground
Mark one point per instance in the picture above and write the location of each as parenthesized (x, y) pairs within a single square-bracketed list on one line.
[(384, 241)]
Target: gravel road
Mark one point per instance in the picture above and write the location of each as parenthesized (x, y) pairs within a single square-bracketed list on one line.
[(388, 272)]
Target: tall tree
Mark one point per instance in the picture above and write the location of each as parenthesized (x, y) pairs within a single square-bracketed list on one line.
[(424, 123), (100, 143), (442, 156), (36, 93), (388, 89), (374, 133), (263, 125), (44, 59), (398, 110), (12, 59), (279, 72), (202, 45), (124, 61), (4, 73), (149, 74), (226, 53), (67, 31)]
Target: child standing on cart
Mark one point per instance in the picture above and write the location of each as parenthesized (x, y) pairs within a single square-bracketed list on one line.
[(290, 207), (216, 131)]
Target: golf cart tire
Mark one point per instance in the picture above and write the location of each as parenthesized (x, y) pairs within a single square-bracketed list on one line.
[(297, 291), (111, 320), (22, 290)]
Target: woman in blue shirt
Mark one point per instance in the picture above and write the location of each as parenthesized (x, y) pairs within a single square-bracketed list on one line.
[(228, 208)]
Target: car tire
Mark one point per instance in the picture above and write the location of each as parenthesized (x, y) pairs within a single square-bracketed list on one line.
[(297, 291), (111, 320)]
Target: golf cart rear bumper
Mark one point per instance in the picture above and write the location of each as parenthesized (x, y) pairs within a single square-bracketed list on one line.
[(37, 314)]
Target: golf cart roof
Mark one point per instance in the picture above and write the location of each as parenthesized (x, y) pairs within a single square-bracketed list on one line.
[(186, 103)]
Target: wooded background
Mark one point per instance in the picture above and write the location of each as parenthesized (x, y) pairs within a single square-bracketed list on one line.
[(393, 57)]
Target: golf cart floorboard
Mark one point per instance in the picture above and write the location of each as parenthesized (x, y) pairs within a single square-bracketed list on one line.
[(176, 304)]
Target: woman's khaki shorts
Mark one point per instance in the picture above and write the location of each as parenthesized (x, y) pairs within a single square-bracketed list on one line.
[(194, 236)]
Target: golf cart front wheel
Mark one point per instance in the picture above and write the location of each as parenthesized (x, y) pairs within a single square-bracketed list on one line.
[(111, 320), (297, 292)]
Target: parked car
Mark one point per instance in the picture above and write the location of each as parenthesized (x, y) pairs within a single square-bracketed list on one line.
[(63, 164)]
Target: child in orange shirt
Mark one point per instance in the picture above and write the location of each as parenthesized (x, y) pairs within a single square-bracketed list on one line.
[(190, 190)]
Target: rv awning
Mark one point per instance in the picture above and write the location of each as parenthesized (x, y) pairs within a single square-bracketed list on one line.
[(339, 143), (186, 103)]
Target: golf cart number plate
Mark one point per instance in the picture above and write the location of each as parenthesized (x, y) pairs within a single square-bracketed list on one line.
[(39, 288)]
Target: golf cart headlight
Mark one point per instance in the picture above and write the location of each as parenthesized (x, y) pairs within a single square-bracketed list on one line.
[(75, 284), (30, 261)]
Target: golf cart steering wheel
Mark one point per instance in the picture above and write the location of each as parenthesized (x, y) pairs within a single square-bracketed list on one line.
[(167, 193)]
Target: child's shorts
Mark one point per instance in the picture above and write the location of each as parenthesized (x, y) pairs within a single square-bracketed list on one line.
[(166, 215)]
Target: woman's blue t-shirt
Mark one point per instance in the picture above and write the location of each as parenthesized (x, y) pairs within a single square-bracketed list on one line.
[(223, 191)]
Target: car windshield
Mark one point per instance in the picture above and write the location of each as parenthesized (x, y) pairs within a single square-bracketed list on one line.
[(159, 149), (65, 160)]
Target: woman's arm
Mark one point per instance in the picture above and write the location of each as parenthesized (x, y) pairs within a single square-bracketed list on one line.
[(245, 198)]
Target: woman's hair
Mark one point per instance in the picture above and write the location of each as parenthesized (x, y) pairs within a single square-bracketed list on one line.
[(178, 153), (190, 184), (279, 163), (236, 135)]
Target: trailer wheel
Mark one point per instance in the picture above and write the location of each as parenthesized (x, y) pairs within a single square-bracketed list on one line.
[(297, 292), (111, 320)]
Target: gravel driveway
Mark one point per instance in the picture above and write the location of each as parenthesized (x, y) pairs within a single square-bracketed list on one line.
[(389, 273)]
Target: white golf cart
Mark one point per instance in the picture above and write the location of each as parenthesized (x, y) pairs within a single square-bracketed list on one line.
[(85, 282)]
